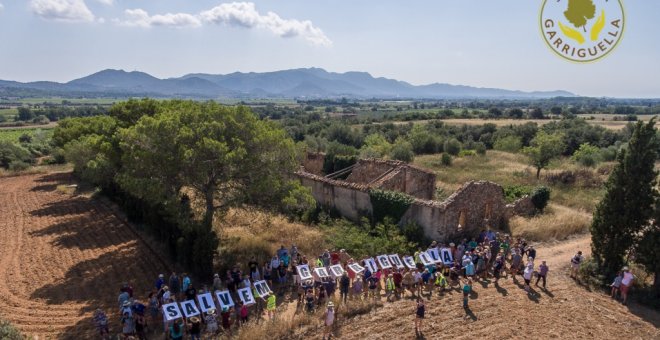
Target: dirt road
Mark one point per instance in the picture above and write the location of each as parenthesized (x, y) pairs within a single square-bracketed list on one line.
[(62, 256), (564, 311)]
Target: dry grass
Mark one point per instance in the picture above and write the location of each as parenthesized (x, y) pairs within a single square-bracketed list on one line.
[(250, 232), (557, 223), (304, 325)]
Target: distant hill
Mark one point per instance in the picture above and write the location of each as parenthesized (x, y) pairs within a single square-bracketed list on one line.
[(295, 83)]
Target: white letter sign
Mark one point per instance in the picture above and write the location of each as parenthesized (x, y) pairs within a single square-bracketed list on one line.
[(384, 262), (356, 268), (395, 260), (304, 272), (410, 262), (224, 298), (425, 258), (189, 308), (246, 296), (370, 263), (337, 270), (321, 272), (446, 256), (205, 302), (262, 288), (171, 311)]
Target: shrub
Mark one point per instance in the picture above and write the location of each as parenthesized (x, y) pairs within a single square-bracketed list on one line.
[(10, 152), (389, 204), (608, 154), (446, 159), (540, 197), (414, 233), (514, 192), (366, 240), (9, 332), (25, 138), (480, 148), (18, 166), (402, 150), (587, 155), (467, 153), (510, 144), (452, 146)]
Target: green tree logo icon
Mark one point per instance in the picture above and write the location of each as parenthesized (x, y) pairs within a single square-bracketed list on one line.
[(579, 12)]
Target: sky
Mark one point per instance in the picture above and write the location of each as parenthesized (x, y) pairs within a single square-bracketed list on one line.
[(469, 42)]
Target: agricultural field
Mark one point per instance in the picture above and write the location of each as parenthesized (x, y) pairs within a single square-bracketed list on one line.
[(13, 134), (64, 255)]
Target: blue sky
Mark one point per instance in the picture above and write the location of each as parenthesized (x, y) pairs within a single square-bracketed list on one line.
[(470, 42)]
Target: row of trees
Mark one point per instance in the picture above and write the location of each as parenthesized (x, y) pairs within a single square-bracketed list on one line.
[(186, 163), (626, 223)]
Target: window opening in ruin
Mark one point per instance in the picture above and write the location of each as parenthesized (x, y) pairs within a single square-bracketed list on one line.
[(461, 219), (489, 211)]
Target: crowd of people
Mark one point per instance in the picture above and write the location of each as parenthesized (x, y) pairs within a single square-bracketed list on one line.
[(490, 256)]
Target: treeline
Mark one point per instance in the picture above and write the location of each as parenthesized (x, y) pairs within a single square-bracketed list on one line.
[(176, 166), (404, 141), (21, 153), (54, 113)]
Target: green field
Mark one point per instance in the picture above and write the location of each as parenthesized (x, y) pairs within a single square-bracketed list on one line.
[(13, 134), (9, 114), (59, 100)]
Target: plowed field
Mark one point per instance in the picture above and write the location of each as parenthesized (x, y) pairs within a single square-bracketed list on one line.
[(62, 256)]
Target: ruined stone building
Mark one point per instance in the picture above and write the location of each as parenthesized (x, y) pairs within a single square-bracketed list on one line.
[(476, 205)]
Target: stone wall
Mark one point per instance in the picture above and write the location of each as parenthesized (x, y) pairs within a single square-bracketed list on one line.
[(369, 170), (313, 162), (522, 207), (395, 176), (350, 200), (474, 206)]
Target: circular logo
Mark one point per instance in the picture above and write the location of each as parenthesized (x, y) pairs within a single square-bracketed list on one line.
[(582, 30)]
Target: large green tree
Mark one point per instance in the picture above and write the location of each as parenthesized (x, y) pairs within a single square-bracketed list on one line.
[(627, 206), (544, 148), (225, 155)]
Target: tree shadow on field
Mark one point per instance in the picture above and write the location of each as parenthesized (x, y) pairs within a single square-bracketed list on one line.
[(96, 282), (62, 177), (45, 187), (96, 229), (70, 206)]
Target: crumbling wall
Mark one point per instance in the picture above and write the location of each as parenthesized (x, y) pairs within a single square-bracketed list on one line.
[(350, 200), (474, 206), (313, 162), (395, 176), (369, 170), (521, 207)]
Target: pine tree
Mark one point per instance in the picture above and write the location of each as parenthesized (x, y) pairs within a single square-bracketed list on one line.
[(628, 203), (647, 251)]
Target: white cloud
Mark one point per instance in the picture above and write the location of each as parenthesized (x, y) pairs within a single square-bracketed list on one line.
[(241, 14), (139, 17), (62, 10), (2, 6), (106, 2), (245, 14)]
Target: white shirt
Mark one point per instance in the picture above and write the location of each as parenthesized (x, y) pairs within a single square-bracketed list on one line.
[(627, 278)]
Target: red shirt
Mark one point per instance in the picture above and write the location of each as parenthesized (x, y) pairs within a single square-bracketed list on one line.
[(397, 278), (334, 258)]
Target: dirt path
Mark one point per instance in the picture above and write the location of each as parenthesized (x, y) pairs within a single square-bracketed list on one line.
[(62, 256), (564, 311)]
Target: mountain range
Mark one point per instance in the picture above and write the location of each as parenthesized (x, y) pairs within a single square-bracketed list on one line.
[(307, 83)]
